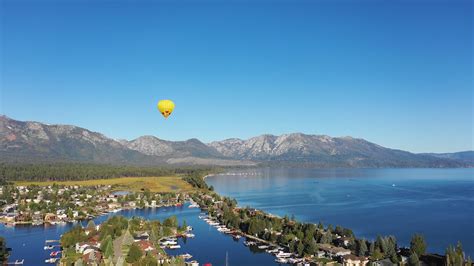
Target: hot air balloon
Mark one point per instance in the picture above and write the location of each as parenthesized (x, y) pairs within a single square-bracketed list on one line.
[(166, 107)]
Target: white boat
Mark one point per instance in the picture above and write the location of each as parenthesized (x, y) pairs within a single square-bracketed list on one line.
[(189, 235), (249, 243), (281, 260), (263, 247), (51, 260), (272, 250), (223, 229), (169, 243), (174, 247), (19, 262), (282, 254), (294, 260), (48, 247), (186, 256)]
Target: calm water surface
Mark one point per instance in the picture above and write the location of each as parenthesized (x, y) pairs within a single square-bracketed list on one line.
[(439, 203), (209, 245)]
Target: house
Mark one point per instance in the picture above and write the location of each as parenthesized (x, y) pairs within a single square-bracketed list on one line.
[(334, 251), (80, 247), (343, 241), (22, 217), (320, 254), (353, 260), (252, 211), (146, 246), (142, 236), (92, 258)]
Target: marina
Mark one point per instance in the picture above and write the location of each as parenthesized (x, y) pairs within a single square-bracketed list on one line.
[(24, 239)]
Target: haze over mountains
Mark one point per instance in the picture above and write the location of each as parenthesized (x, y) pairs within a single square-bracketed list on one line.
[(37, 142)]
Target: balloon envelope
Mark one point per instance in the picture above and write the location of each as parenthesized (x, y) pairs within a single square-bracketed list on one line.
[(166, 107)]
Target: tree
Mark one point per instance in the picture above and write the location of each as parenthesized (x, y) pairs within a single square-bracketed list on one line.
[(109, 251), (454, 255), (371, 248), (171, 221), (320, 226), (105, 243), (127, 238), (413, 260), (134, 254), (91, 225), (70, 238), (378, 255), (361, 248), (418, 244), (149, 260), (300, 248), (3, 251)]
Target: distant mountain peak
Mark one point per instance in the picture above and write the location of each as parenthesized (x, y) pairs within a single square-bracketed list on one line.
[(34, 141)]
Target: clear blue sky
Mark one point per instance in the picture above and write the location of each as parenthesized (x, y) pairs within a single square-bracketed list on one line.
[(397, 73)]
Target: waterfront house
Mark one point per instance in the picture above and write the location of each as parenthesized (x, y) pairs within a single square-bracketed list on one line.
[(353, 260), (50, 217), (22, 218), (334, 251)]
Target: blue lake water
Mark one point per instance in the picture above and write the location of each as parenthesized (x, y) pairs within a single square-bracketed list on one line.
[(438, 203), (209, 245)]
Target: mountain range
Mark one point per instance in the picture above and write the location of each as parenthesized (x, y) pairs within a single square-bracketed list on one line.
[(37, 142)]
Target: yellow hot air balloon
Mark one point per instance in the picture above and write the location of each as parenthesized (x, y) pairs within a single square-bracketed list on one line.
[(166, 107)]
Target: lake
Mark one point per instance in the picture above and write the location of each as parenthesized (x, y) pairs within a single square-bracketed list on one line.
[(438, 203), (209, 245)]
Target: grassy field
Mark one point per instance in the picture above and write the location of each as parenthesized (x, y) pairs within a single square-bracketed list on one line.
[(154, 184)]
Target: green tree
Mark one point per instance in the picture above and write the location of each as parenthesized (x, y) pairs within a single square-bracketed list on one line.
[(127, 238), (413, 260), (106, 242), (300, 248), (109, 251), (378, 255), (361, 247), (148, 260), (418, 244), (134, 254), (91, 225), (171, 221), (3, 251), (454, 255)]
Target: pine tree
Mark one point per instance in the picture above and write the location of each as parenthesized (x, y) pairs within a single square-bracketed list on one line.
[(134, 254), (413, 260), (418, 244), (127, 238), (300, 248), (109, 251), (91, 225), (362, 247)]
